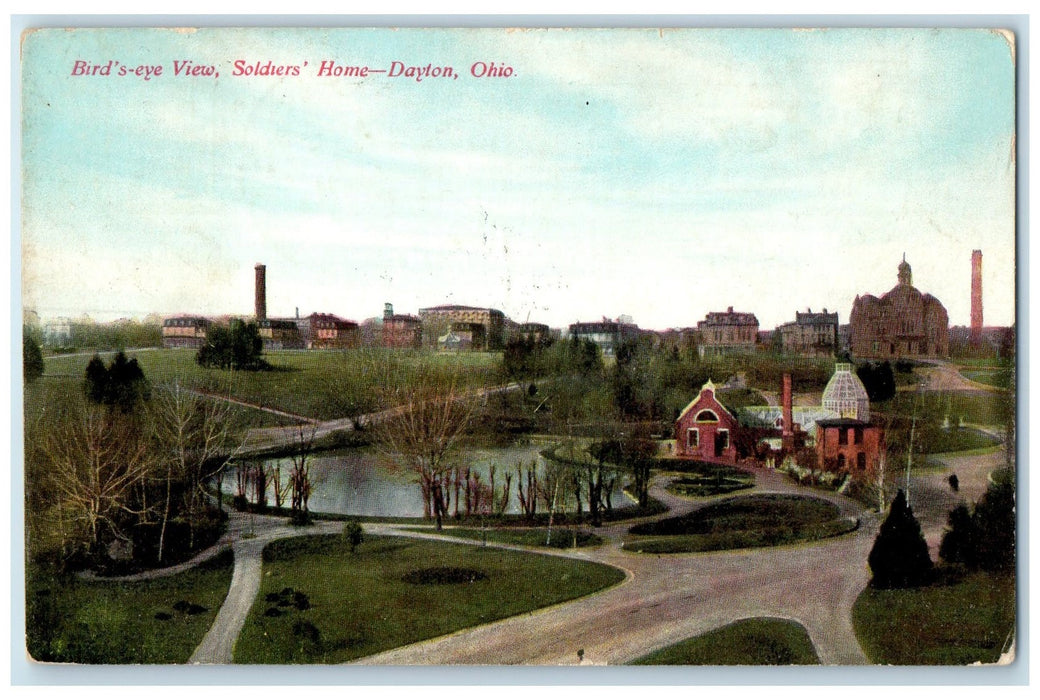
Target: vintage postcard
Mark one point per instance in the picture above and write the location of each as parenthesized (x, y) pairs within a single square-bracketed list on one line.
[(537, 346)]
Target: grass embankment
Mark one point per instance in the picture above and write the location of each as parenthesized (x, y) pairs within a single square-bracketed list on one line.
[(954, 624), (760, 641), (322, 384), (990, 377), (321, 604), (742, 522), (161, 621), (560, 538)]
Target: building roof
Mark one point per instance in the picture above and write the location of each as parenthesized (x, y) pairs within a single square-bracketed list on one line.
[(842, 423), (729, 317), (457, 307)]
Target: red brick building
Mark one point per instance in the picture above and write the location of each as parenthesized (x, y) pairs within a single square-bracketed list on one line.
[(846, 445), (902, 323), (705, 429), (401, 330)]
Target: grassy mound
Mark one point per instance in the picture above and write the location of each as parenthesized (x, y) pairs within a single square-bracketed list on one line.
[(756, 641), (441, 575), (741, 522)]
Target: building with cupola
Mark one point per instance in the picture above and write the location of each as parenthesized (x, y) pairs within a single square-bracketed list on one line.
[(902, 323)]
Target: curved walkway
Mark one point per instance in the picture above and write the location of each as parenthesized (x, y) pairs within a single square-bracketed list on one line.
[(664, 598)]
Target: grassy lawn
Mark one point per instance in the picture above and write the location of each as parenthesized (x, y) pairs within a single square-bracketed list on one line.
[(111, 622), (561, 537), (990, 377), (954, 624), (752, 642), (742, 522), (322, 384), (321, 604)]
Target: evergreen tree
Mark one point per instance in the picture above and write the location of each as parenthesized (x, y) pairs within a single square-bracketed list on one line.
[(96, 383), (32, 357), (958, 544), (899, 557), (985, 537)]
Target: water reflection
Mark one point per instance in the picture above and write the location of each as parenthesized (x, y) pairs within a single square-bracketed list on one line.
[(363, 482)]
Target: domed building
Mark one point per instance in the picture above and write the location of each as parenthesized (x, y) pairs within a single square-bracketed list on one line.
[(902, 323)]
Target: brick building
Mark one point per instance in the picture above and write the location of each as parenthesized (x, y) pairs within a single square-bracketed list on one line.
[(280, 334), (184, 332), (606, 334), (902, 323), (321, 330), (705, 429), (729, 331), (401, 330), (438, 320), (849, 442), (811, 334)]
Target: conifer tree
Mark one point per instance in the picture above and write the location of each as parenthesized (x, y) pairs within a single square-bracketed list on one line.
[(899, 557)]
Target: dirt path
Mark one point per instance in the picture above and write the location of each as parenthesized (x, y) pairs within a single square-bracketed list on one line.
[(250, 533), (942, 376)]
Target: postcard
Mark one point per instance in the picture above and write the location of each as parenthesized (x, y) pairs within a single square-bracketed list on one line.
[(536, 346)]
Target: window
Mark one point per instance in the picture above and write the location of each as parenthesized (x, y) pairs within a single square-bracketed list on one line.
[(861, 460), (693, 437), (858, 436), (843, 436), (723, 439), (841, 461), (707, 417)]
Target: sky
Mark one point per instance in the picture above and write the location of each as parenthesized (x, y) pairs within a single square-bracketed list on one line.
[(657, 174)]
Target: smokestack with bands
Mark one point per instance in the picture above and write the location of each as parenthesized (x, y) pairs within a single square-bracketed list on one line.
[(261, 292)]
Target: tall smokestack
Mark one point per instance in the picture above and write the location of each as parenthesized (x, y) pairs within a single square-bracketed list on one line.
[(976, 296), (787, 436), (261, 292)]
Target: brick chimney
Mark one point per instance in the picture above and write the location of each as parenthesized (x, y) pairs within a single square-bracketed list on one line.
[(976, 297), (787, 436), (260, 300)]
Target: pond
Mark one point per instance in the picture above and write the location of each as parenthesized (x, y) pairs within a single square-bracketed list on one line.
[(362, 481)]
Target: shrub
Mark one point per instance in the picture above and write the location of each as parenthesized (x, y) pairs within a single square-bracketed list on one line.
[(353, 534), (899, 557)]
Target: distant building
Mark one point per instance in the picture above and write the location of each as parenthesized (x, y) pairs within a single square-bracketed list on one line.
[(810, 334), (724, 332), (401, 330), (57, 333), (320, 330), (705, 429), (902, 323), (535, 331), (438, 320), (184, 331), (280, 334), (606, 334)]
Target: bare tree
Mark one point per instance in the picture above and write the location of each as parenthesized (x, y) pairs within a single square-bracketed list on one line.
[(96, 459), (422, 433), (300, 483), (192, 432)]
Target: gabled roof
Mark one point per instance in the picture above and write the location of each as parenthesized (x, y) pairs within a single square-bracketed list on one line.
[(708, 386)]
